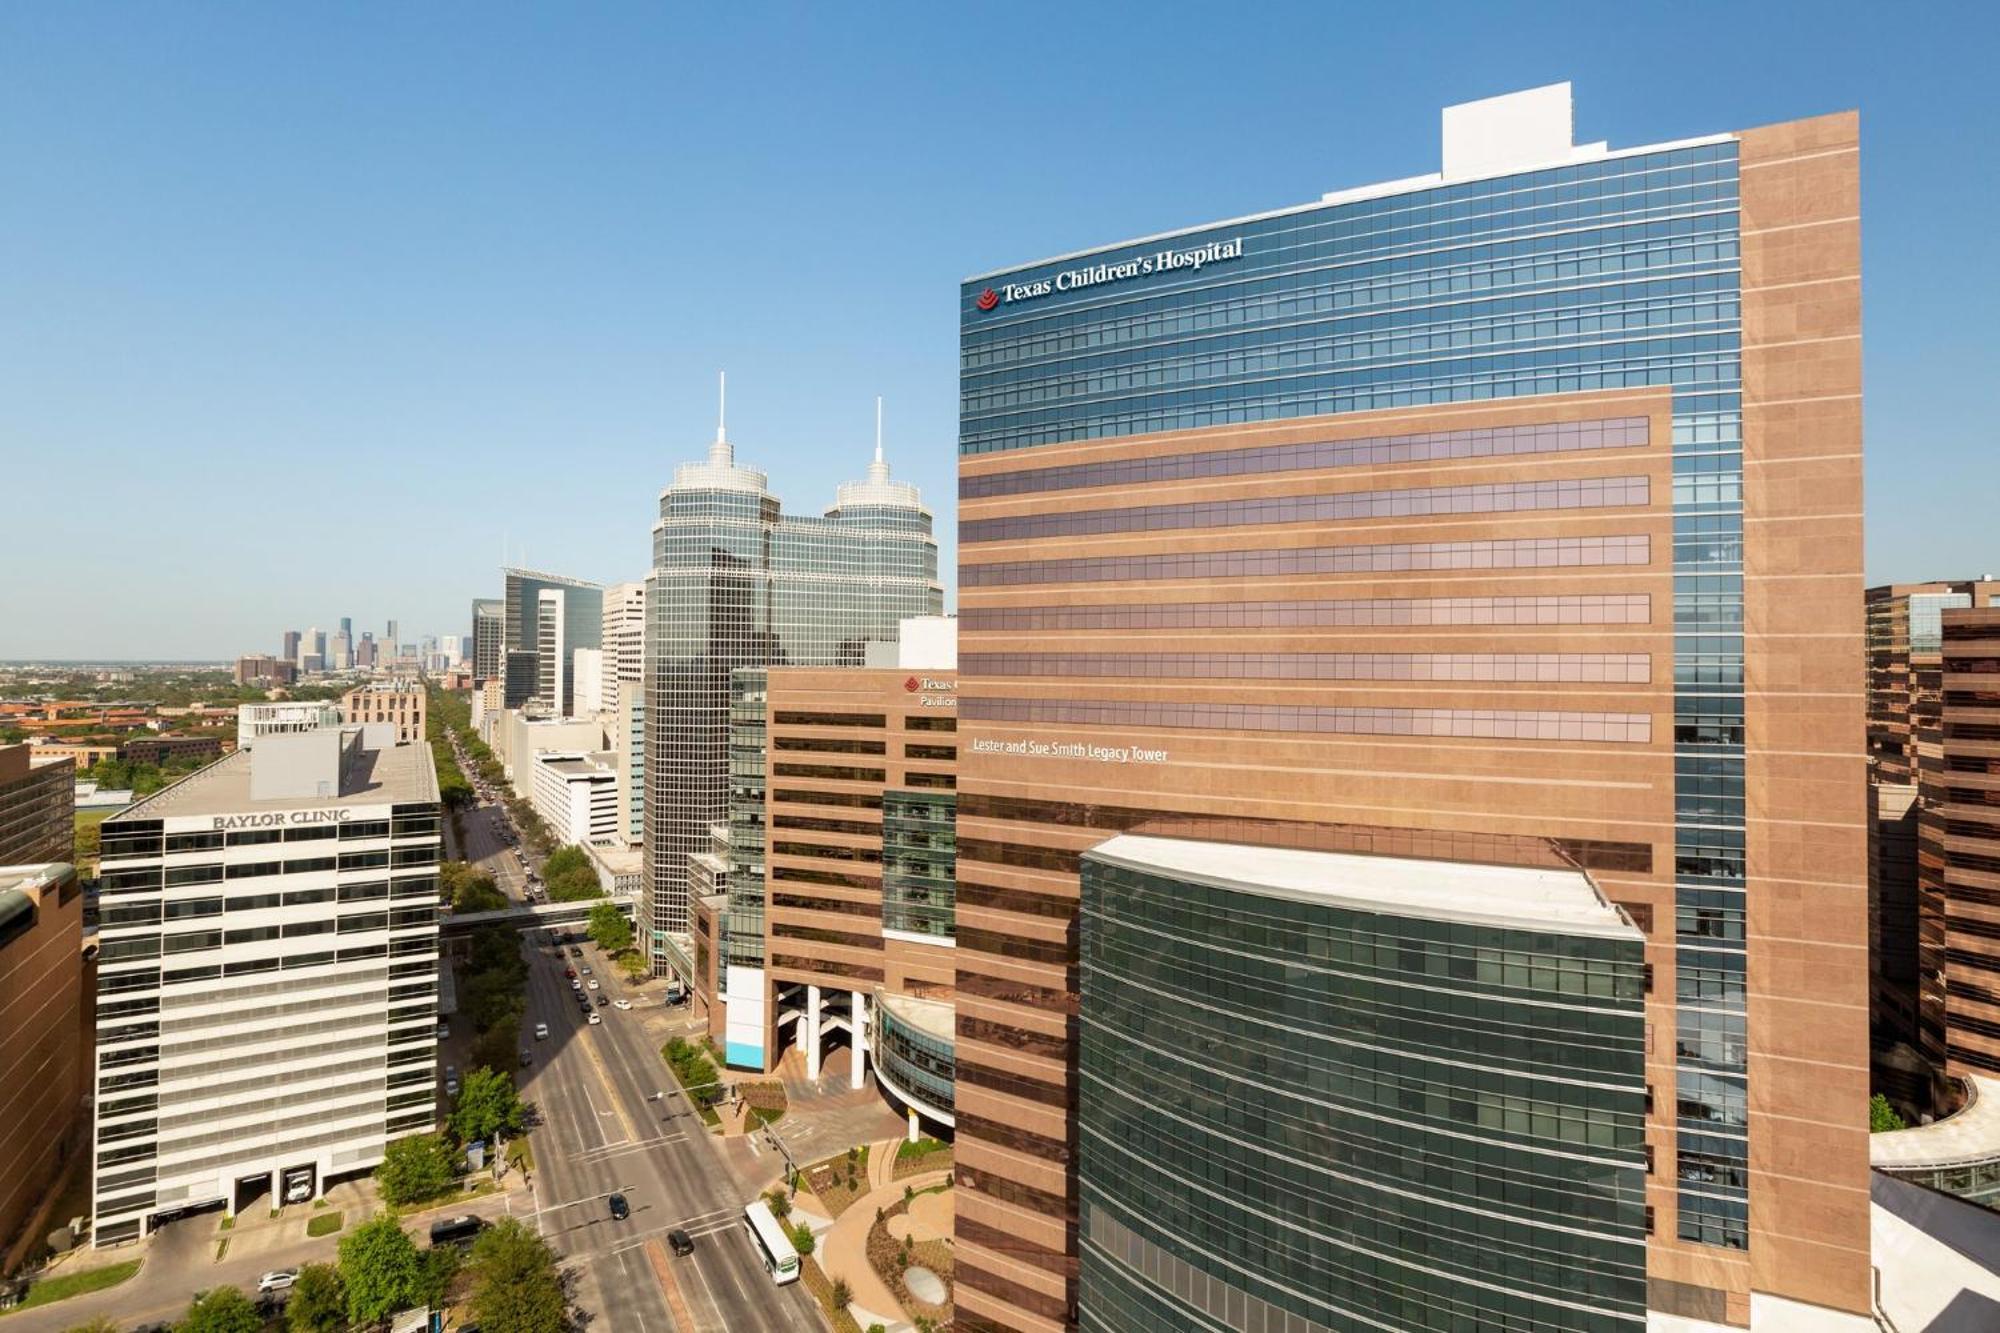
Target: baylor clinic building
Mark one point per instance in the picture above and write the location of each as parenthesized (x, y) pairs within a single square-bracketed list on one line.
[(1514, 506)]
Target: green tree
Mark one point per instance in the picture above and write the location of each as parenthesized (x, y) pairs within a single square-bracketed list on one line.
[(491, 999), (802, 1239), (498, 1047), (487, 1105), (382, 1270), (610, 929), (570, 876), (101, 1324), (318, 1303), (515, 1288), (1882, 1117), (414, 1169), (223, 1310)]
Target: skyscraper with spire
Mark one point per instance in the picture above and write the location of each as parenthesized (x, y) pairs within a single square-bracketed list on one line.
[(736, 582)]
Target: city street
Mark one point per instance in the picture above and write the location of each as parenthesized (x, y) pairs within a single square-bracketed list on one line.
[(602, 1131)]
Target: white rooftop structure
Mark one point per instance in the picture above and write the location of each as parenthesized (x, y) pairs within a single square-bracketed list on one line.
[(1512, 897), (877, 489), (720, 471)]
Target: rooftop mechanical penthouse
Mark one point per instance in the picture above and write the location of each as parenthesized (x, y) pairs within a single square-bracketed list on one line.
[(1511, 507)]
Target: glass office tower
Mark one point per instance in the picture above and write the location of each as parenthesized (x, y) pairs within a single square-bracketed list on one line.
[(548, 616), (1517, 499), (736, 582)]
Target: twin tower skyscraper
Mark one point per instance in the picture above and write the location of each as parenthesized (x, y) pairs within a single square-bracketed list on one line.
[(738, 582)]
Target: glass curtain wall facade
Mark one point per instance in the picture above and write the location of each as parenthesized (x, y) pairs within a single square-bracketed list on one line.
[(547, 638), (1305, 1115), (489, 628), (919, 859), (1503, 330), (736, 582)]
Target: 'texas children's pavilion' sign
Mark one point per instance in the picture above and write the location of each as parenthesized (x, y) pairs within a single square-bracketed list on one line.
[(1163, 261)]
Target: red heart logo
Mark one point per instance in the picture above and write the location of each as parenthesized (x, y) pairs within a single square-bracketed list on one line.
[(988, 299)]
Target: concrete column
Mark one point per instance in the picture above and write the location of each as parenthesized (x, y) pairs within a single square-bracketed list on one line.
[(277, 1188), (858, 1019), (912, 1112), (812, 1032)]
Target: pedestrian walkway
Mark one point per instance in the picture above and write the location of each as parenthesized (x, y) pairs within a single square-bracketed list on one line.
[(843, 1250)]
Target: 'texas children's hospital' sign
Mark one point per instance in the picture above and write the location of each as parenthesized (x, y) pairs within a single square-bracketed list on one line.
[(1163, 261)]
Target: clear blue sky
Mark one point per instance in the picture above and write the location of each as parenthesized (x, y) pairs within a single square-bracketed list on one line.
[(303, 306)]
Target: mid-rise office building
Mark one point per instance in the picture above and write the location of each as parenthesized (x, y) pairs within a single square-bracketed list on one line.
[(41, 1044), (1904, 626), (37, 806), (576, 794), (489, 632), (1958, 856), (548, 616), (169, 749), (292, 647), (587, 681), (624, 643), (341, 654), (1516, 502), (267, 979), (837, 925), (736, 582), (628, 740), (264, 670), (399, 703), (365, 654)]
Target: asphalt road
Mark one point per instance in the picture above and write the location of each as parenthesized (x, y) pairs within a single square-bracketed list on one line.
[(603, 1130)]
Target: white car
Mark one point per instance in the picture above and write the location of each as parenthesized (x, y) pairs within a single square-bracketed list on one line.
[(278, 1280), (593, 983), (541, 1032), (574, 984), (451, 1087), (621, 1004), (594, 1019)]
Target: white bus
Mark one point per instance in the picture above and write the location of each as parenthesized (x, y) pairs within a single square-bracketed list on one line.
[(774, 1247)]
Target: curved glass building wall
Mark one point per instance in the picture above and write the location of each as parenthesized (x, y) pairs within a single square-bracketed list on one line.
[(1325, 1091), (911, 1043)]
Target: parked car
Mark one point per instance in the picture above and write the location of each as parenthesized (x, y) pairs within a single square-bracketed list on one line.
[(594, 1019), (621, 1004), (602, 1001), (575, 952), (620, 1210), (527, 1056), (593, 983), (451, 1086), (280, 1279), (680, 1242), (443, 1031)]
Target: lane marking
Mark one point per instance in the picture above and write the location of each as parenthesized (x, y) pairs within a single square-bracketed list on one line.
[(663, 1270)]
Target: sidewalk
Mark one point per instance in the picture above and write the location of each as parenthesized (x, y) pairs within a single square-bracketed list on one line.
[(843, 1250)]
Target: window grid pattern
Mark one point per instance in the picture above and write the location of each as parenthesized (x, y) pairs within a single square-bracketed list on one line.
[(1581, 609), (1385, 558), (737, 582), (1428, 446), (1550, 668), (1464, 723), (1426, 1124), (1415, 502), (1605, 275)]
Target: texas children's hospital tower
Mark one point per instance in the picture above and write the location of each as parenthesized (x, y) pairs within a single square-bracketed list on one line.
[(1410, 825)]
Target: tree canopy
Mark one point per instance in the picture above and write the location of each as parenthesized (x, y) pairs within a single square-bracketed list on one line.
[(487, 1105), (414, 1169), (384, 1271), (610, 929), (223, 1310), (515, 1285), (570, 876), (318, 1301)]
